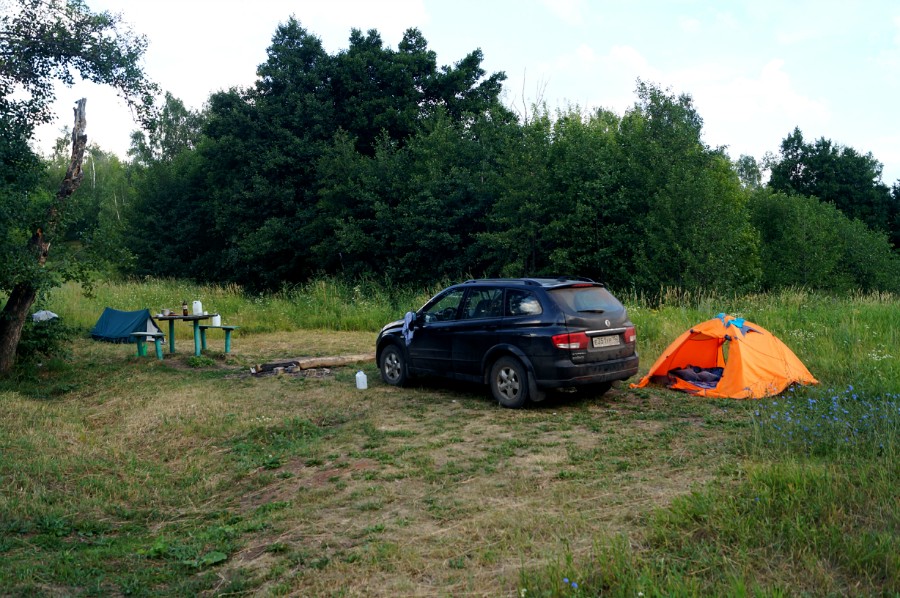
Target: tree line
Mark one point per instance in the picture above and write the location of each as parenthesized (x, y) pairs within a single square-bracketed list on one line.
[(378, 162)]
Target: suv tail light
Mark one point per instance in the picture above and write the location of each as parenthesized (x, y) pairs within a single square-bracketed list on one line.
[(578, 340), (630, 335)]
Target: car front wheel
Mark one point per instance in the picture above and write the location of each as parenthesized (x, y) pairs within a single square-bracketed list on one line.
[(393, 366), (509, 382)]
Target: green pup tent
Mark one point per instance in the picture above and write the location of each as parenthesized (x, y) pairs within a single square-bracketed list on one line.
[(115, 326)]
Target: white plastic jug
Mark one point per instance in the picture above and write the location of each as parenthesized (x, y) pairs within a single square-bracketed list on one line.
[(198, 308), (217, 320), (362, 382)]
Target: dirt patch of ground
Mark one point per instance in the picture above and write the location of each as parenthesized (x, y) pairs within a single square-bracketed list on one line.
[(434, 489)]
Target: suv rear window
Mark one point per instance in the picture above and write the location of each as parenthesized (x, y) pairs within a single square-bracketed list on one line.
[(586, 299), (522, 303)]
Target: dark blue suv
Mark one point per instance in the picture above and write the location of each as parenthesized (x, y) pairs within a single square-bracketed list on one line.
[(521, 336)]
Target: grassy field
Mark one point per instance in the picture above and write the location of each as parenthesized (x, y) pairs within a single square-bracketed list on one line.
[(132, 476)]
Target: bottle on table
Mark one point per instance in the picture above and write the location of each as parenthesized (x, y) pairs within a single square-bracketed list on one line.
[(184, 310)]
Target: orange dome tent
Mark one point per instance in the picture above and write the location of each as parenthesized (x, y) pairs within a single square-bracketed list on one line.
[(751, 361)]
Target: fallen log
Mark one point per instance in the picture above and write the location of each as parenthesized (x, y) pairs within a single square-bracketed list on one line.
[(306, 363), (334, 361)]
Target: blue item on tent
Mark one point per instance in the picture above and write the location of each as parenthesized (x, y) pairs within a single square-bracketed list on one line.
[(116, 326), (737, 323)]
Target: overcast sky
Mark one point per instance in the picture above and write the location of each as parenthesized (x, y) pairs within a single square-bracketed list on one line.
[(755, 69)]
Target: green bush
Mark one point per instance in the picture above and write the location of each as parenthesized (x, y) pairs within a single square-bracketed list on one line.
[(49, 338), (811, 244)]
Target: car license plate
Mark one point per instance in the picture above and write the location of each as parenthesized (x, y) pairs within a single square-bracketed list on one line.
[(605, 341)]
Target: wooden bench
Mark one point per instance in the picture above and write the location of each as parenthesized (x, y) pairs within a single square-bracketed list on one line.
[(228, 330), (145, 337)]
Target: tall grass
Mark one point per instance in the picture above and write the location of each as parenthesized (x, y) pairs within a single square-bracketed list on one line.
[(825, 423), (327, 303), (853, 339)]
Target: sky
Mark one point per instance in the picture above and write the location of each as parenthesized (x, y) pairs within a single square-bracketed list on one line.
[(754, 69)]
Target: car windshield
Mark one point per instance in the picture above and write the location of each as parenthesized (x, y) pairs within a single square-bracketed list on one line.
[(587, 299)]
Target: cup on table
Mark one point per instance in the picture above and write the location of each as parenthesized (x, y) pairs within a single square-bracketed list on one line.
[(167, 312)]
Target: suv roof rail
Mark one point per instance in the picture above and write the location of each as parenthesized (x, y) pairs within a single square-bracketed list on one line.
[(537, 281), (503, 280)]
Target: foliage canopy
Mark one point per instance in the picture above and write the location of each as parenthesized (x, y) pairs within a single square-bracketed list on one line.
[(44, 42), (376, 161), (838, 175)]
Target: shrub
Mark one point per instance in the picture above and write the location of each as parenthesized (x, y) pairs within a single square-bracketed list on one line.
[(812, 244), (49, 338)]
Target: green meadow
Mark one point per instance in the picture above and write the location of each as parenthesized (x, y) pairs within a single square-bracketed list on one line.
[(127, 475)]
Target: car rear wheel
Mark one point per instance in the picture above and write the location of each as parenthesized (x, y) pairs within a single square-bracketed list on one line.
[(509, 382), (393, 366)]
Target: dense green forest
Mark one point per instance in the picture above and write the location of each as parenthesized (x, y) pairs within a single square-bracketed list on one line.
[(377, 162)]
